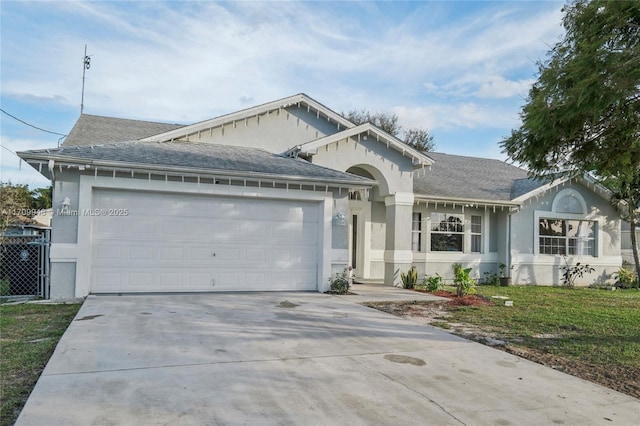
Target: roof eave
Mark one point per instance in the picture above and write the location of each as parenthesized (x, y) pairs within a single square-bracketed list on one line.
[(585, 180), (60, 160), (466, 201)]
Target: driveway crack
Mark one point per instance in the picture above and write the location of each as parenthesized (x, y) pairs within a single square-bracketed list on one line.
[(444, 410)]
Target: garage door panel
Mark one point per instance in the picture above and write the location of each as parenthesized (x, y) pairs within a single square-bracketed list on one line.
[(140, 253), (107, 253), (167, 241)]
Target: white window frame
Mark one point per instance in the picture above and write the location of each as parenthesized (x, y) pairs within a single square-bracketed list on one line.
[(538, 214), (553, 214), (464, 224), (416, 232), (476, 234)]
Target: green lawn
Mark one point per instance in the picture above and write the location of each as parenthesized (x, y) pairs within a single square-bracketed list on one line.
[(28, 335), (594, 326)]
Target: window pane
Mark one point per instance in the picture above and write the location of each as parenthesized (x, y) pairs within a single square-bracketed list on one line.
[(416, 242), (553, 227), (476, 243), (569, 204), (417, 222), (552, 245), (476, 224), (416, 234), (580, 228), (447, 222), (446, 242)]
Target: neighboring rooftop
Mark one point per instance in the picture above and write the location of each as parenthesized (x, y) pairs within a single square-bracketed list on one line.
[(460, 177), (95, 129), (196, 156)]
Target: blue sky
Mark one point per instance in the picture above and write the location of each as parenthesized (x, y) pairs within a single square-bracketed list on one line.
[(460, 69)]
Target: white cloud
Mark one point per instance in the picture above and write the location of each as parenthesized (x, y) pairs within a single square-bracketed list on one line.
[(499, 87), (188, 61), (468, 115)]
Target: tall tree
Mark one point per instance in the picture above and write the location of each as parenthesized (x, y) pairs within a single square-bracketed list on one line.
[(582, 115), (626, 198), (415, 137)]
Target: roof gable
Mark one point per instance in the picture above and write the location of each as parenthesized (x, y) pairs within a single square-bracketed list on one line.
[(300, 99), (365, 131)]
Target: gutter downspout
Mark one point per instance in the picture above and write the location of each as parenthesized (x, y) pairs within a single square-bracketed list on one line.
[(512, 211)]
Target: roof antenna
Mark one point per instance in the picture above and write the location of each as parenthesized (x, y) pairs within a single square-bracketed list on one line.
[(86, 64)]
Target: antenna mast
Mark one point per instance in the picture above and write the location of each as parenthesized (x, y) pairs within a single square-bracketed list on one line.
[(86, 64)]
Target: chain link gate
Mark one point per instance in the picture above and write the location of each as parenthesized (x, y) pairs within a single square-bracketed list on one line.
[(24, 265)]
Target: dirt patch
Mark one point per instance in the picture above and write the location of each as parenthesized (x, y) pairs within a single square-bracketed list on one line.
[(619, 378)]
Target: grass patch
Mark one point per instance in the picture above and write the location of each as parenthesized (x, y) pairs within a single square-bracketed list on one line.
[(28, 335), (593, 326)]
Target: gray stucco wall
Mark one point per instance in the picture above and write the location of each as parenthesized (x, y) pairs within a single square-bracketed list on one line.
[(65, 227), (429, 263), (62, 280), (393, 171), (540, 269)]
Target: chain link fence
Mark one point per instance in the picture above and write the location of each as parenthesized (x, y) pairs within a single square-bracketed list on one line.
[(24, 265)]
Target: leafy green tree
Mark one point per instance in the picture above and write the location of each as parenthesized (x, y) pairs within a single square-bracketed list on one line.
[(582, 115), (15, 200), (42, 198), (415, 137), (17, 203)]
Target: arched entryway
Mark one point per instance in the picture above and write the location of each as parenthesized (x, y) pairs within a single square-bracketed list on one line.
[(367, 225)]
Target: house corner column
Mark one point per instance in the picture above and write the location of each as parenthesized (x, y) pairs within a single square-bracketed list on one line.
[(398, 256)]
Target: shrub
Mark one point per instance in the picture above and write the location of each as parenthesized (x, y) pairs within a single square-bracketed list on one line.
[(433, 283), (463, 281), (571, 273), (340, 283), (491, 278), (626, 278), (410, 279)]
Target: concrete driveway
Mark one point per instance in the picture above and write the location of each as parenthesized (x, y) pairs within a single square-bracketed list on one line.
[(294, 359)]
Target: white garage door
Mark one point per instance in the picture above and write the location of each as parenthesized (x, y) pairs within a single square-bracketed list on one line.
[(181, 243)]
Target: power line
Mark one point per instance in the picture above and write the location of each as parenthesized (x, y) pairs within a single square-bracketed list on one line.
[(31, 125)]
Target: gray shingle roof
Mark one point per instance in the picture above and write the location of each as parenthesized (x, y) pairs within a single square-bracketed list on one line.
[(94, 129), (200, 156), (455, 176)]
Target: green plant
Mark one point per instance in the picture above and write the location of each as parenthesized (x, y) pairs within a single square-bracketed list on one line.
[(626, 278), (340, 283), (491, 278), (502, 268), (571, 273), (463, 281), (433, 283), (410, 279), (5, 288)]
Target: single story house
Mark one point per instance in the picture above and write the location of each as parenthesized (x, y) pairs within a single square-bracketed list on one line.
[(284, 195)]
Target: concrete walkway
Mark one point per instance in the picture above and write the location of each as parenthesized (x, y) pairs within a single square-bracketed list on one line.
[(294, 359)]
